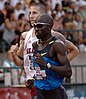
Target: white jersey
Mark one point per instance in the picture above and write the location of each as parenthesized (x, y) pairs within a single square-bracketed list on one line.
[(28, 53)]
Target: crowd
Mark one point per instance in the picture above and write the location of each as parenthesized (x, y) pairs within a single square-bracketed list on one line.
[(69, 19), (68, 15)]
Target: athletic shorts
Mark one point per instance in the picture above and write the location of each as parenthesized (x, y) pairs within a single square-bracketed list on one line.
[(58, 93)]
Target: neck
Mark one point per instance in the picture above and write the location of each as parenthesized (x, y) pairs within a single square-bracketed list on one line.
[(46, 41), (33, 33)]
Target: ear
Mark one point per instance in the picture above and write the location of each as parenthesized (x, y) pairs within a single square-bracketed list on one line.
[(49, 29)]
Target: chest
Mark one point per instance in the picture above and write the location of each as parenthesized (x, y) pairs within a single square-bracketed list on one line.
[(45, 49)]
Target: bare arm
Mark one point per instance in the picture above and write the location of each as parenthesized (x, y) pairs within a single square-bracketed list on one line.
[(73, 50), (21, 47), (8, 25), (17, 52), (16, 59), (65, 69)]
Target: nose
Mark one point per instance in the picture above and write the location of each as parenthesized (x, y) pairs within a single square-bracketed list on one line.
[(31, 15), (36, 28)]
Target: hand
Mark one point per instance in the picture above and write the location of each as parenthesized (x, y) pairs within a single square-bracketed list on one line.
[(40, 61), (29, 83), (14, 48)]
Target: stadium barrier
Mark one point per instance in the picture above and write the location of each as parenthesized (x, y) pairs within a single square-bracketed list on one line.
[(12, 84)]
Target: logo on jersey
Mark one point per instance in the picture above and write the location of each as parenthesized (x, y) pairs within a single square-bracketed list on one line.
[(30, 50), (42, 54)]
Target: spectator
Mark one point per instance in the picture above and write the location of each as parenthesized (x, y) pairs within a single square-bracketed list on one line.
[(65, 5), (82, 38), (49, 7), (58, 15), (69, 15), (82, 8), (6, 7), (2, 4), (9, 32), (1, 31), (18, 9), (54, 2), (78, 19), (12, 68), (14, 2), (73, 6), (22, 25), (67, 25), (27, 26), (59, 11)]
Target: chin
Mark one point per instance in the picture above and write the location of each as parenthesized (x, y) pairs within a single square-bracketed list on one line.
[(32, 23), (38, 36)]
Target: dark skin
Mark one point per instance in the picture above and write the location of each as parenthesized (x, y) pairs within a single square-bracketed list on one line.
[(57, 52), (59, 49)]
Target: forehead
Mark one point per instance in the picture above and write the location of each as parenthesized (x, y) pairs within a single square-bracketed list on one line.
[(35, 9)]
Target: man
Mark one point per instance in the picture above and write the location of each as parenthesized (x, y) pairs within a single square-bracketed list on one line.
[(50, 61), (35, 10)]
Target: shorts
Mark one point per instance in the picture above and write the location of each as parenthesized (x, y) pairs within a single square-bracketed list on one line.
[(58, 93)]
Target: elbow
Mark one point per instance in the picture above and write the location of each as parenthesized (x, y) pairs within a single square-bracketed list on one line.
[(76, 51), (18, 64)]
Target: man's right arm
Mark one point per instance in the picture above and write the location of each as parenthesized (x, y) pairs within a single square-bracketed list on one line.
[(17, 52), (16, 59)]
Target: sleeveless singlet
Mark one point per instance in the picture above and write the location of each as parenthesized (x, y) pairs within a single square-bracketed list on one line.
[(28, 53), (46, 79)]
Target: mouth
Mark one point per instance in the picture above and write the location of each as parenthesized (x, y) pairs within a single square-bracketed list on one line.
[(32, 20)]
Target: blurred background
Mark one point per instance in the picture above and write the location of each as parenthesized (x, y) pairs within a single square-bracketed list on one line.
[(69, 19)]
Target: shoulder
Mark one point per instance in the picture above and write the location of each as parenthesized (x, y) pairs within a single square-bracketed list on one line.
[(24, 34), (59, 43), (58, 35), (59, 46)]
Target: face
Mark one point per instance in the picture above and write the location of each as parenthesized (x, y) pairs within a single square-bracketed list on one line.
[(27, 27), (41, 30), (34, 13), (84, 26)]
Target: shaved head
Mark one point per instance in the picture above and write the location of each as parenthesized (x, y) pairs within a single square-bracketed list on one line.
[(45, 18)]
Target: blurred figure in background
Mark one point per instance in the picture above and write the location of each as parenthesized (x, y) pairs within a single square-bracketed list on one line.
[(7, 6), (82, 38), (22, 25), (58, 15), (9, 32), (19, 10), (65, 4), (12, 68), (1, 32)]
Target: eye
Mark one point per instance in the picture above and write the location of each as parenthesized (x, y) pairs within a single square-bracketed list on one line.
[(38, 25)]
